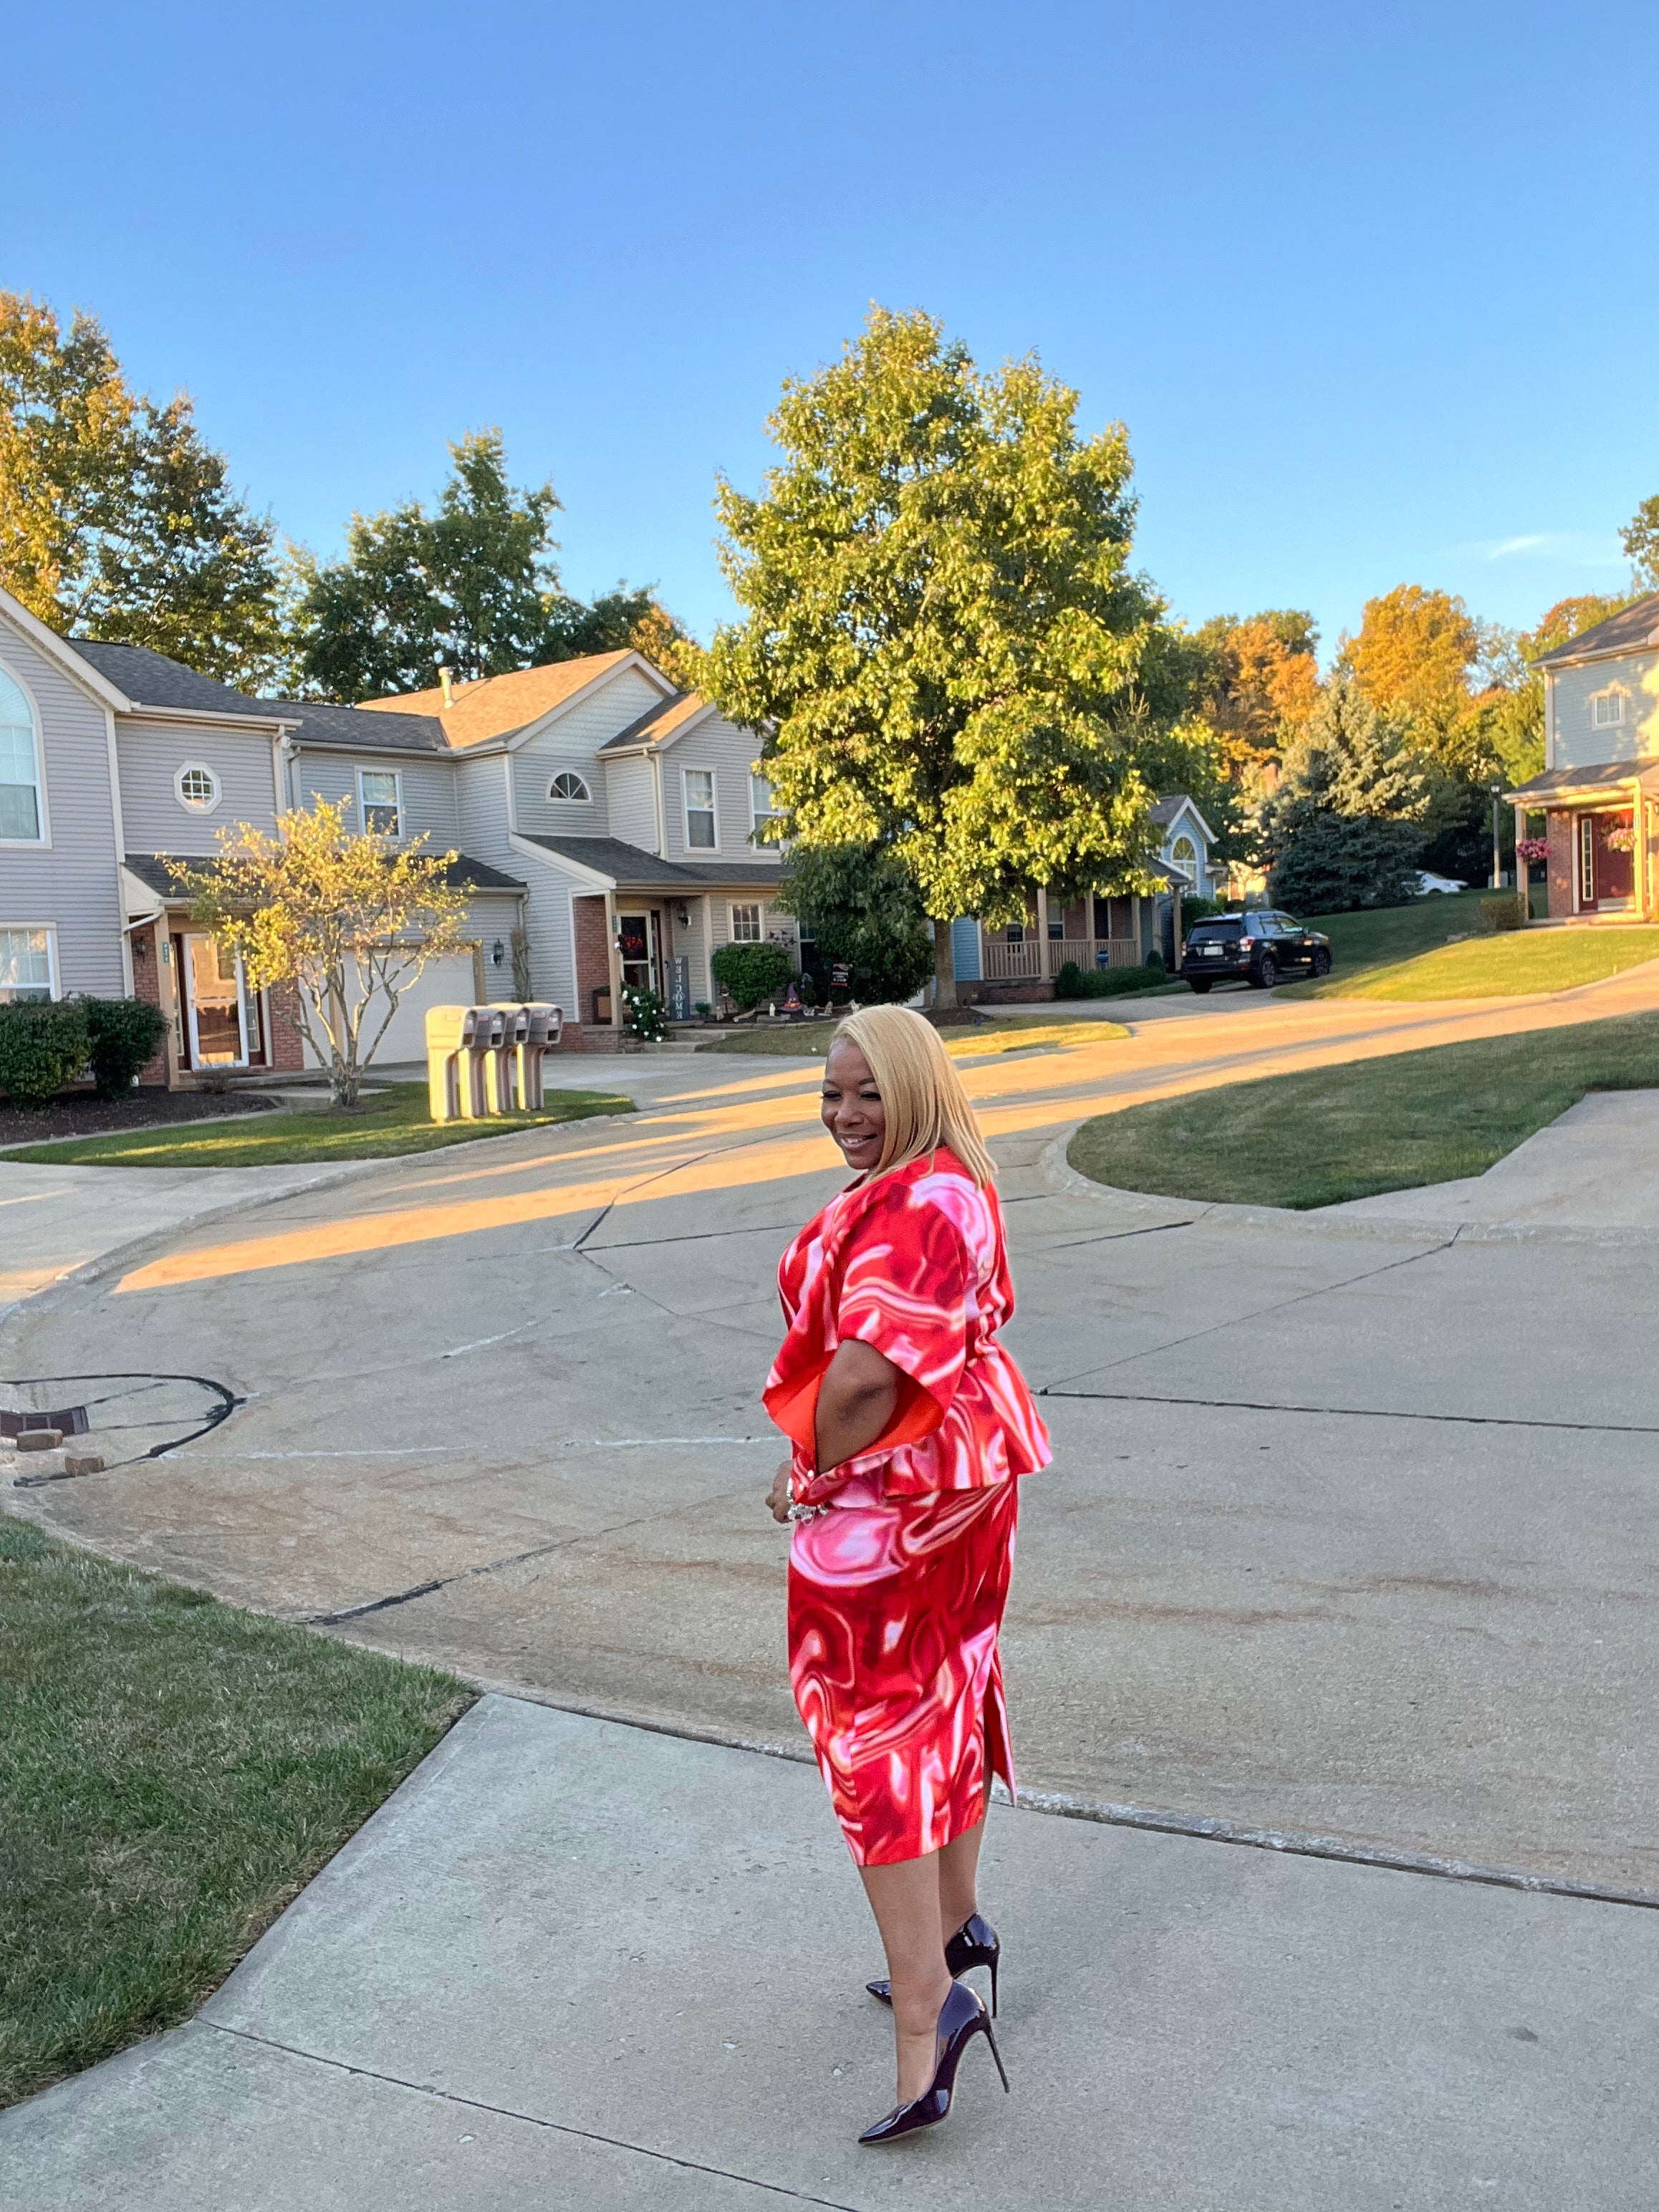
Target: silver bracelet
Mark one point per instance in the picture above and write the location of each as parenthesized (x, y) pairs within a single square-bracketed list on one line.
[(805, 1512)]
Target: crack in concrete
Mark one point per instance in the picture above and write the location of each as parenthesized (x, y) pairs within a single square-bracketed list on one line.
[(1356, 1413), (529, 2120)]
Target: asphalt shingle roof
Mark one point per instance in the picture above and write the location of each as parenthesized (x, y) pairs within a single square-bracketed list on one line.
[(1633, 627), (151, 679), (322, 724), (461, 874), (631, 868), (1604, 775)]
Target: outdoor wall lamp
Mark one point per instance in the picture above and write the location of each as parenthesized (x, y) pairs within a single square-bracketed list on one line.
[(141, 948), (498, 952), (682, 916)]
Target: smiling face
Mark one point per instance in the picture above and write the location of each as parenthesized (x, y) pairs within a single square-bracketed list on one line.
[(853, 1111)]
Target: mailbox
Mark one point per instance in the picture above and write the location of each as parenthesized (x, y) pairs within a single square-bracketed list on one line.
[(546, 1028), (502, 1066), (482, 1048), (448, 1062)]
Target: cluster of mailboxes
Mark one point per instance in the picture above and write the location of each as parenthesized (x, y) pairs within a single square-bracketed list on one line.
[(488, 1060)]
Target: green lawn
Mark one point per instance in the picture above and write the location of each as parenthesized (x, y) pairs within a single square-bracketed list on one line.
[(1403, 952), (392, 1122), (1331, 1133), (1013, 1033), (171, 1773)]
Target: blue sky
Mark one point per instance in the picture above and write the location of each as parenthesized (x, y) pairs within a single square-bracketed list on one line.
[(1373, 290)]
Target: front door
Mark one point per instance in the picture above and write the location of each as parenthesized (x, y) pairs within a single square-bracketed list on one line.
[(215, 1006), (1606, 875), (636, 941)]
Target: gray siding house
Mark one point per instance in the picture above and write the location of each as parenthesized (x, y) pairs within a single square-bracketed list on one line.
[(606, 825)]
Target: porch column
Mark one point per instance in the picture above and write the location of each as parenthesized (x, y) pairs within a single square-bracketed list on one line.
[(1639, 858), (613, 959), (1047, 968), (167, 979), (1522, 868)]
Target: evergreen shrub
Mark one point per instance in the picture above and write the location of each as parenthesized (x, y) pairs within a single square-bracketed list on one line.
[(43, 1047)]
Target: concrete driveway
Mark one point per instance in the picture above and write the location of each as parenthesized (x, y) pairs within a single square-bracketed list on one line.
[(1350, 1530)]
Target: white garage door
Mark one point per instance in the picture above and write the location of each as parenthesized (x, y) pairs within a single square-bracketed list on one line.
[(448, 982)]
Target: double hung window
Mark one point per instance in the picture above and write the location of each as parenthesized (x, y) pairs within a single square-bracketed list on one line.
[(761, 805), (700, 810), (381, 802), (746, 925), (20, 812), (1606, 710), (25, 965)]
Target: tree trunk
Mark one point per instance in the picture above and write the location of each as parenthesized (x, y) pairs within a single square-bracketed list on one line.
[(945, 967)]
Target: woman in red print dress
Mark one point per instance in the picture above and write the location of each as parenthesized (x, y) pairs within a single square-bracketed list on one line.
[(909, 1425)]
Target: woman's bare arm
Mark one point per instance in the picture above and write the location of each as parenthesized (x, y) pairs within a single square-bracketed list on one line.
[(856, 1402)]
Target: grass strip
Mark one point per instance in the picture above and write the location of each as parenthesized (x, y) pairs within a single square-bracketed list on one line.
[(389, 1123), (1327, 1135), (1512, 965), (172, 1771)]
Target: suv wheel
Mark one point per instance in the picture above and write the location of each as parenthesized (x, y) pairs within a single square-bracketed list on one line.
[(1322, 960), (1195, 983), (1266, 974)]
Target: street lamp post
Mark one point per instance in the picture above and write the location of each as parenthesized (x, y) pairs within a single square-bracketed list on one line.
[(1497, 846)]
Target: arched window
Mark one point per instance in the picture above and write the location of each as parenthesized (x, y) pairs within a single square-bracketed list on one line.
[(567, 785), (20, 767), (197, 787), (1183, 857)]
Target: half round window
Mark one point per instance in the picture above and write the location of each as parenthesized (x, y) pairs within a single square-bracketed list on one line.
[(20, 767), (197, 787), (1183, 854), (569, 787)]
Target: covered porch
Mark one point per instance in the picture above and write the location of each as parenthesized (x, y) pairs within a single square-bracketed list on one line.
[(1103, 930), (1595, 834)]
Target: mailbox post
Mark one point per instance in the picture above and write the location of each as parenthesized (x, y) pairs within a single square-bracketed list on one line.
[(546, 1027), (484, 1054), (503, 1064), (449, 1062)]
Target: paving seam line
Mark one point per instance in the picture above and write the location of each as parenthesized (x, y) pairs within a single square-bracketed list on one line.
[(528, 2119), (1063, 1389), (1194, 1828), (1064, 1179), (348, 1171)]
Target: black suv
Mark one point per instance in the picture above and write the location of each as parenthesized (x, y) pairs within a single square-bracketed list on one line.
[(1257, 947)]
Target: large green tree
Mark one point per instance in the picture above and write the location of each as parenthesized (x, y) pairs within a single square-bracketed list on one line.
[(471, 585), (117, 520), (943, 639), (1640, 539)]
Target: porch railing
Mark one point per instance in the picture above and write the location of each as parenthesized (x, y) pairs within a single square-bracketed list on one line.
[(1026, 962)]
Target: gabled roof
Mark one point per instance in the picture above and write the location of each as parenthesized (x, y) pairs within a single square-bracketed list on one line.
[(1170, 806), (497, 706), (1621, 632), (322, 724), (659, 723), (166, 686)]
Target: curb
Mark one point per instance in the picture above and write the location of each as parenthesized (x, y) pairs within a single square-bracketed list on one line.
[(1065, 1180)]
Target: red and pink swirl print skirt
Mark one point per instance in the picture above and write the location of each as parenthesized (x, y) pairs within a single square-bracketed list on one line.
[(894, 1610)]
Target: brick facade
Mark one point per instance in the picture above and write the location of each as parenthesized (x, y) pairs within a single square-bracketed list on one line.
[(1560, 865), (285, 1044), (593, 959), (147, 984)]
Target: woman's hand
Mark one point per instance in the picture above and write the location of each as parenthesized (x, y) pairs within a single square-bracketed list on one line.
[(778, 1498)]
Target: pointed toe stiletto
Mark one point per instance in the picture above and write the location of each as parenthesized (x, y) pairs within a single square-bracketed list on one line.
[(961, 2017), (973, 1944)]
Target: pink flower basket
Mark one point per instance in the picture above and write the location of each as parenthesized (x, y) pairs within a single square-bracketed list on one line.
[(1532, 848), (1622, 839)]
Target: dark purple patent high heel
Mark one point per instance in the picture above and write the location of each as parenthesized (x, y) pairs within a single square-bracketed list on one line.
[(973, 1944), (961, 2017)]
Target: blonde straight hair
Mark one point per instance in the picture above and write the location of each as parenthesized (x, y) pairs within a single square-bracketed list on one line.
[(926, 1106)]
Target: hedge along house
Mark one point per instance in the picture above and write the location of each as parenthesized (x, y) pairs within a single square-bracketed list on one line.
[(1599, 790), (1102, 930)]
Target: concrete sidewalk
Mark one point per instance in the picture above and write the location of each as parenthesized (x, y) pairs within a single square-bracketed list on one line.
[(578, 1966)]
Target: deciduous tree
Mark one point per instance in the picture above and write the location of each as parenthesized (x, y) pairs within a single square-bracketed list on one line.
[(117, 520), (1412, 654), (942, 636), (1640, 539), (1261, 684), (335, 914), (862, 911)]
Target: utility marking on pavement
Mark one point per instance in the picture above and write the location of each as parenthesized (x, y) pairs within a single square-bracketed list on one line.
[(529, 2120), (1359, 1412)]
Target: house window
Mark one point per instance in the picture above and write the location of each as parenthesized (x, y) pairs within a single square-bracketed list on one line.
[(20, 766), (761, 805), (380, 801), (1607, 709), (196, 787), (26, 965), (569, 787), (1183, 857), (1587, 859), (700, 809), (745, 924)]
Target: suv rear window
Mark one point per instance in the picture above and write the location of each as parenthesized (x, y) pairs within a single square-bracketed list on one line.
[(1214, 933)]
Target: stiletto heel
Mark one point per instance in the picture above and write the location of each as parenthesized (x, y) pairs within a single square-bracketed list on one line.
[(973, 1944), (961, 2017)]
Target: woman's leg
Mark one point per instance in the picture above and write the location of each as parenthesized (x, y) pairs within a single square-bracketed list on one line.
[(905, 1899), (958, 1878)]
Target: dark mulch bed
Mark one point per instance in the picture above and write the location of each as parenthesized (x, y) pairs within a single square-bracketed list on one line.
[(78, 1113)]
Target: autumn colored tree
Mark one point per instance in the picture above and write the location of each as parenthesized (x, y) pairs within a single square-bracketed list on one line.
[(346, 922), (472, 585), (942, 638), (1261, 684), (1640, 539), (117, 520), (1412, 654)]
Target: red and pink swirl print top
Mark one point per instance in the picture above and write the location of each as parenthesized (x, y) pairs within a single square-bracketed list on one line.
[(912, 1264)]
